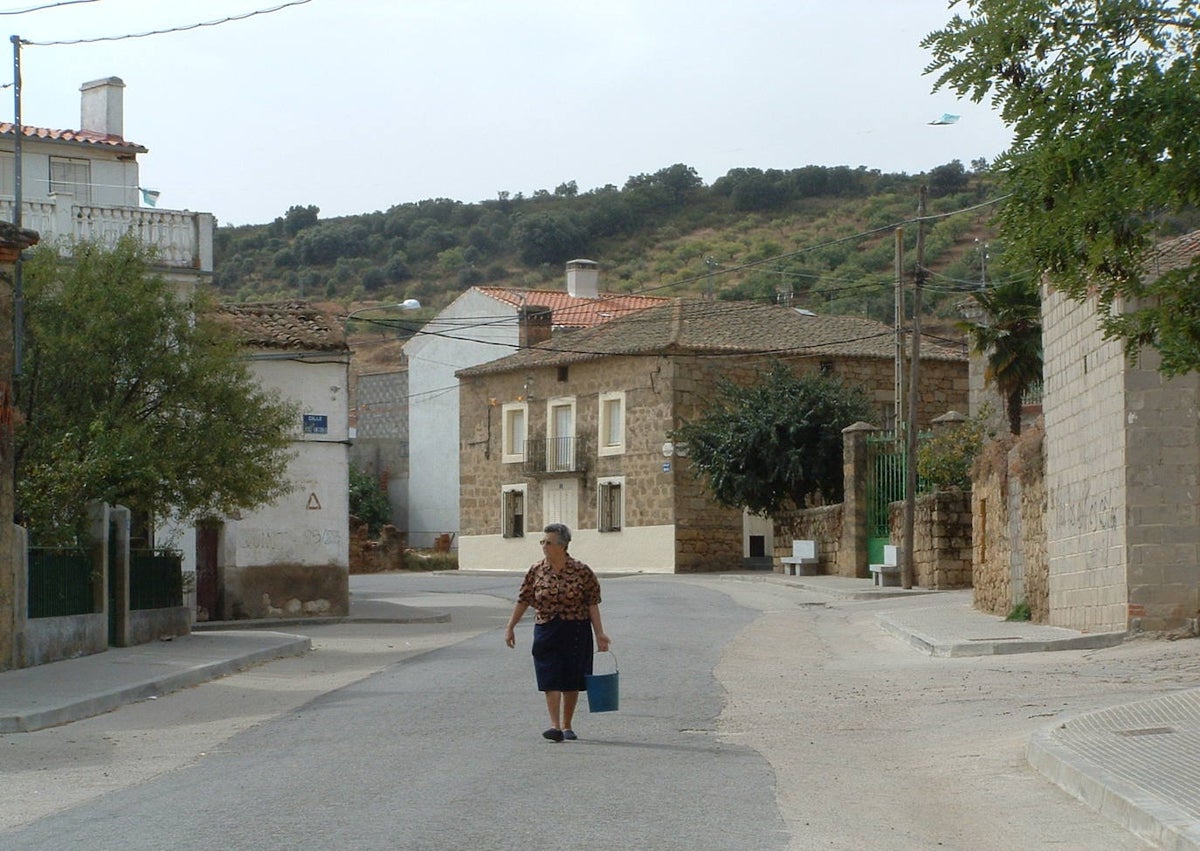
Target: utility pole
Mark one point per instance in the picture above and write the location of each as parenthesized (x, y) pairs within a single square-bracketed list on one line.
[(898, 324), (18, 285), (910, 454)]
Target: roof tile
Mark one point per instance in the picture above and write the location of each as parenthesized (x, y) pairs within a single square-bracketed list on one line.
[(717, 327), (288, 325)]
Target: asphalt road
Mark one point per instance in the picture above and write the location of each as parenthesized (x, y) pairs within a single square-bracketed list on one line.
[(753, 716), (444, 751)]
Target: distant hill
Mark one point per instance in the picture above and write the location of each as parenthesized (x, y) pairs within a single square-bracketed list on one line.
[(821, 236)]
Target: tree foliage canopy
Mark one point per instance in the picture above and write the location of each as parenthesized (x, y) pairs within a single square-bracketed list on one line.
[(770, 445), (131, 396), (1101, 96)]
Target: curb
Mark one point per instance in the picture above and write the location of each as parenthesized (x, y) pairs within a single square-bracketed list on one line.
[(272, 623), (1110, 794), (994, 646)]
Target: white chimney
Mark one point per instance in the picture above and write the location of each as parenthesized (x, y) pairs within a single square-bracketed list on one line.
[(583, 278), (102, 107)]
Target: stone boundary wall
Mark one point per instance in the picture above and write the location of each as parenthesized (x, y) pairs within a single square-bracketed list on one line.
[(823, 525), (1008, 509), (941, 538)]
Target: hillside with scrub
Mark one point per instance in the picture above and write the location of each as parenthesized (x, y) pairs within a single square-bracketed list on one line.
[(821, 237)]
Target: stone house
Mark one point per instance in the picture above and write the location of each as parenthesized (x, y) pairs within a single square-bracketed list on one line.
[(1122, 472), (290, 557), (482, 324), (577, 430)]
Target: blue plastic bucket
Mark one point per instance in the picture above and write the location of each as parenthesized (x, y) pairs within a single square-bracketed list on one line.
[(603, 690)]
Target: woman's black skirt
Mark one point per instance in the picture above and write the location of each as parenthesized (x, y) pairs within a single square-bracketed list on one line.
[(562, 654)]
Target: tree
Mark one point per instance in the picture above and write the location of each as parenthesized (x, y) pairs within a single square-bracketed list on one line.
[(548, 238), (368, 502), (298, 218), (131, 396), (1101, 97), (769, 445), (1011, 338)]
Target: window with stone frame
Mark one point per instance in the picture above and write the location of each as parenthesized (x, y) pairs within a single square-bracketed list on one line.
[(513, 511), (610, 505), (612, 424)]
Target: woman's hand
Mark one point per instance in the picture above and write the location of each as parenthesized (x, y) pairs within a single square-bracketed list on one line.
[(602, 642), (510, 638)]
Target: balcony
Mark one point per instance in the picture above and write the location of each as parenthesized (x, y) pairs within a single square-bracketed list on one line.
[(556, 456), (183, 240)]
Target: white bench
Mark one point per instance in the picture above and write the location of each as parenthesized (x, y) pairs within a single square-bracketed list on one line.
[(803, 560), (887, 573)]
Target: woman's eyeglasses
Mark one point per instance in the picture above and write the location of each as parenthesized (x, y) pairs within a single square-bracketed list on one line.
[(547, 543)]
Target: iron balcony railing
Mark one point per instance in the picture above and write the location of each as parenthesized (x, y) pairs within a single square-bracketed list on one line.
[(556, 455)]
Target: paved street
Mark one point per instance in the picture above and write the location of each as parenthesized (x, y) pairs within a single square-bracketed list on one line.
[(754, 715)]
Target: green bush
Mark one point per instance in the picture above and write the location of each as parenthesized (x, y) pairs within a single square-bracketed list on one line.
[(945, 459), (367, 502)]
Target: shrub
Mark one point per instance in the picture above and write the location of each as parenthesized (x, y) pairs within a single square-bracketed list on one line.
[(367, 502), (945, 459)]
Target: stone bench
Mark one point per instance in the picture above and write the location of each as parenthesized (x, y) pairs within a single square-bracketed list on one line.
[(803, 560), (887, 572)]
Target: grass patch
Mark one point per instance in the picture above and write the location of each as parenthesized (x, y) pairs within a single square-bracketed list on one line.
[(428, 560), (1020, 612)]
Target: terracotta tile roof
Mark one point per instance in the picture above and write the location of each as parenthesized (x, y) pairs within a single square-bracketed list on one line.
[(568, 311), (86, 137), (287, 325), (1174, 253), (720, 327)]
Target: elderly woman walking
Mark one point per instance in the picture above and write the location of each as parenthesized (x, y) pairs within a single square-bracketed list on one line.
[(565, 595)]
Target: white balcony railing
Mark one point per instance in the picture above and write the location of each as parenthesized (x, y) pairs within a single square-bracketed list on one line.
[(182, 239)]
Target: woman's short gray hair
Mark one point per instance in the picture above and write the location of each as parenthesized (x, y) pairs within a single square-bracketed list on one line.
[(559, 530)]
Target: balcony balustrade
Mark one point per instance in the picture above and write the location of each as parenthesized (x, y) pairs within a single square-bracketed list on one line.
[(182, 239)]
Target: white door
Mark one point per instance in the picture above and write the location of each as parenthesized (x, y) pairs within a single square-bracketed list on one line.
[(560, 502)]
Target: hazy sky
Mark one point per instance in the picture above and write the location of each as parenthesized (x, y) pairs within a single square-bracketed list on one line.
[(357, 105)]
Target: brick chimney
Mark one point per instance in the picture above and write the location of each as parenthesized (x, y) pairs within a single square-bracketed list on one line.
[(583, 278), (535, 324), (102, 107)]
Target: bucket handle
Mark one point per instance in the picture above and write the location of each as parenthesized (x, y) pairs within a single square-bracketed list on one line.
[(614, 658)]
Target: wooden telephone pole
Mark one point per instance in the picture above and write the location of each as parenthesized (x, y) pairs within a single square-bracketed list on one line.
[(910, 453)]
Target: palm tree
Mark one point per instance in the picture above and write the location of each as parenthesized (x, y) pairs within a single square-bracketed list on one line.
[(1010, 335)]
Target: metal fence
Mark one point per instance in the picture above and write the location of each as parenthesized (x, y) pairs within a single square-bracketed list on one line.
[(61, 582), (155, 579)]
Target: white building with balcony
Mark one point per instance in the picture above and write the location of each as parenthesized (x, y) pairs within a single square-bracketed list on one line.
[(83, 185)]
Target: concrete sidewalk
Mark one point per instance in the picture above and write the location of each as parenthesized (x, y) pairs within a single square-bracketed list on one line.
[(1138, 764), (61, 692)]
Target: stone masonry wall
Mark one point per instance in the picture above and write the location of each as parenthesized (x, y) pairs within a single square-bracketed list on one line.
[(1009, 507), (823, 525), (941, 538)]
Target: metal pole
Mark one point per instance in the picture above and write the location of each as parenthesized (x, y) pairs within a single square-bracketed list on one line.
[(898, 322), (910, 484), (18, 288)]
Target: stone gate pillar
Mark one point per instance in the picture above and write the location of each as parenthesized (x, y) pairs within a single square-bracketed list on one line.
[(852, 557), (13, 241)]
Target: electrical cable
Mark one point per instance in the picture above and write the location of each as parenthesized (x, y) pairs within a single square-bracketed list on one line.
[(46, 6), (169, 30)]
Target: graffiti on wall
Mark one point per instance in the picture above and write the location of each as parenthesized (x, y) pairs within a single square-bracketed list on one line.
[(1080, 511)]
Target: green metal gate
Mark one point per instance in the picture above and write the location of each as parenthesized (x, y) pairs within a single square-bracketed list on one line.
[(886, 475)]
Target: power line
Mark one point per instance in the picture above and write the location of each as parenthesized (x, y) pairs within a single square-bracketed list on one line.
[(169, 30), (47, 6)]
